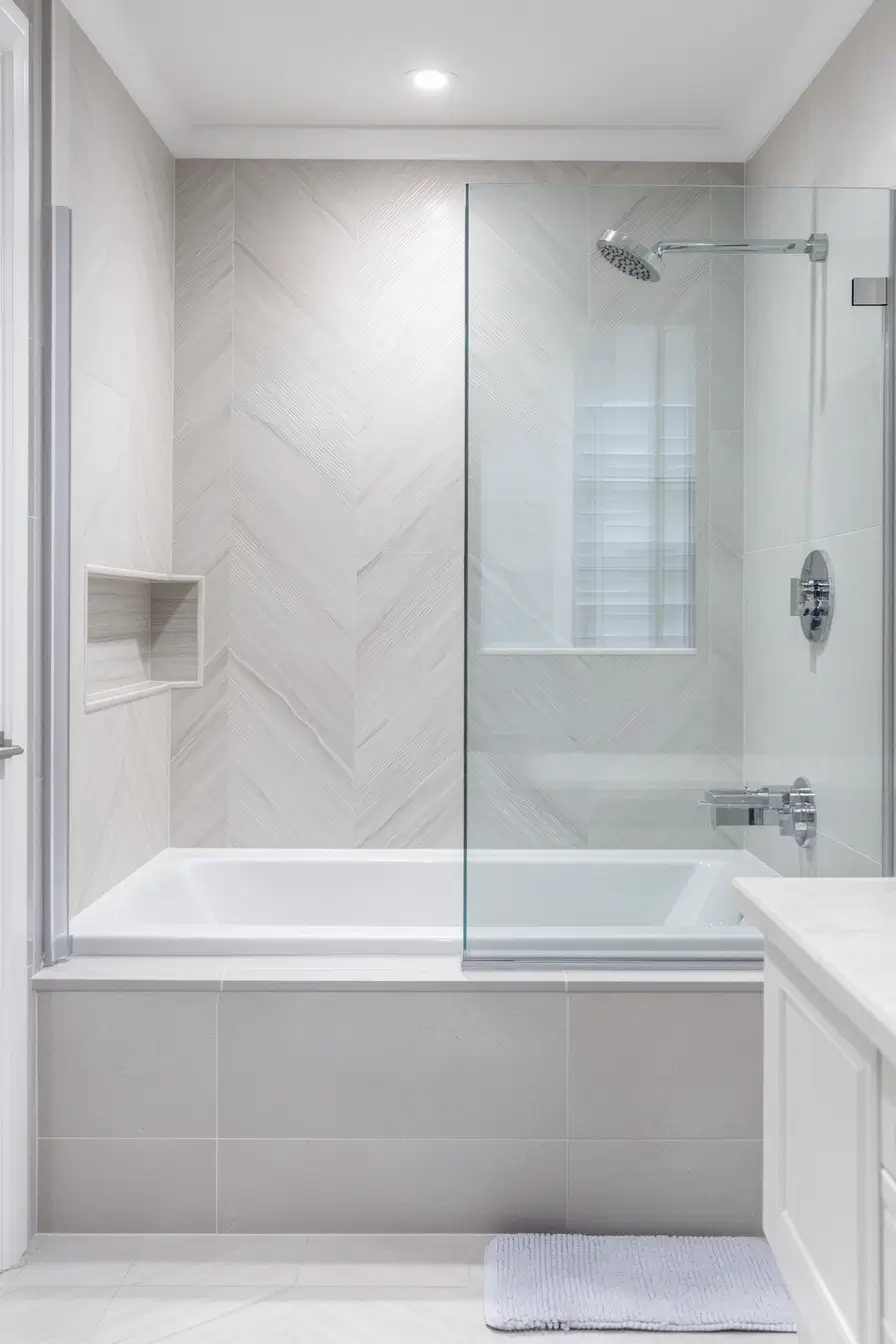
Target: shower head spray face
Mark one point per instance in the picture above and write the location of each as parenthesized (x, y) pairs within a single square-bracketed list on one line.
[(629, 256)]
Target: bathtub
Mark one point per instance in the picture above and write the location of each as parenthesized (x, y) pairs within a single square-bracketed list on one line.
[(520, 903)]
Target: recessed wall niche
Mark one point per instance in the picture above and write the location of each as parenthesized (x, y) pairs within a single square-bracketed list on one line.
[(143, 634)]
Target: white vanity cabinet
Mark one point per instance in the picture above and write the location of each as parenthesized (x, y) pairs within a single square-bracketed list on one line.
[(829, 1130), (822, 1167)]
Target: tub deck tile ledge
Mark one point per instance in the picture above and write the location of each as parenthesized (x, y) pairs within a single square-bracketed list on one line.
[(233, 974)]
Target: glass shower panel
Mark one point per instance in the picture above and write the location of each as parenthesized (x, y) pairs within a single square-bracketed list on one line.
[(814, 390), (624, 626)]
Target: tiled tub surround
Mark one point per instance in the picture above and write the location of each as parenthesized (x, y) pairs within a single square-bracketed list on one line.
[(814, 377), (455, 1108), (319, 484), (317, 477), (807, 491), (602, 748), (117, 176)]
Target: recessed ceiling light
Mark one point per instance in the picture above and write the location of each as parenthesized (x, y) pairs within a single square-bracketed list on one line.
[(431, 81)]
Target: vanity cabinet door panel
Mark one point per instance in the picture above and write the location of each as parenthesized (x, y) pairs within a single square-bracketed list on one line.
[(822, 1167), (888, 1117), (888, 1252)]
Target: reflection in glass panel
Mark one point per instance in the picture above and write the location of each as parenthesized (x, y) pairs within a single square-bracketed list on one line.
[(648, 464), (635, 475)]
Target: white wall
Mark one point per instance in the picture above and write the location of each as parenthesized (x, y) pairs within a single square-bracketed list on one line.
[(813, 451), (114, 172)]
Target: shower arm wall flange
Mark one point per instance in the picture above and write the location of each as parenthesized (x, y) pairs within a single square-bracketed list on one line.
[(815, 247)]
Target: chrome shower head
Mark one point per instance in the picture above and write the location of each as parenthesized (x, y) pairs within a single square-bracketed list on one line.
[(629, 256), (632, 258)]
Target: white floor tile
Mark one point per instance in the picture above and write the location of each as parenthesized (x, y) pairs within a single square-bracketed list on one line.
[(400, 1261), (146, 1315), (262, 1290), (220, 1261), (51, 1315)]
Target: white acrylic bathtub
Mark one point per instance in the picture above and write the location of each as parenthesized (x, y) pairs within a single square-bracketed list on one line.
[(579, 903)]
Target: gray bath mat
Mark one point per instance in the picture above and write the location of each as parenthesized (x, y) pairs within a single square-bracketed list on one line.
[(573, 1282)]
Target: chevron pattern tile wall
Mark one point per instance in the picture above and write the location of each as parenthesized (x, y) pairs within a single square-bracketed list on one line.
[(319, 483)]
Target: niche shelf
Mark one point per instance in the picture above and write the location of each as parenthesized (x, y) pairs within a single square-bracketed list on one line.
[(143, 634)]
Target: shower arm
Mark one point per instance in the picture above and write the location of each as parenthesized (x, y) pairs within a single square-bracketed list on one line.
[(815, 247)]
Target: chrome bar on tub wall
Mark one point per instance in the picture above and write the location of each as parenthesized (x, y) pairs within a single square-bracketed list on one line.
[(57, 592), (888, 700)]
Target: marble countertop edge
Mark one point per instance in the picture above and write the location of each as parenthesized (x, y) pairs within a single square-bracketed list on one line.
[(840, 934)]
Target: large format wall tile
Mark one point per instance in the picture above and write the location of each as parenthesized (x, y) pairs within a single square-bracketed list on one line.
[(118, 178), (295, 432), (119, 793), (411, 288), (409, 700), (130, 1066), (682, 1066), (322, 490), (203, 386), (702, 1187), (408, 1066), (290, 1185), (126, 1185), (814, 372), (593, 749)]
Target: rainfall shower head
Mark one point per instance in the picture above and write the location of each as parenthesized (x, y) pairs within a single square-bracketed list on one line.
[(629, 256), (643, 262)]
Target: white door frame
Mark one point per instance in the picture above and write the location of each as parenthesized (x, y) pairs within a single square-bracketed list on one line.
[(16, 591)]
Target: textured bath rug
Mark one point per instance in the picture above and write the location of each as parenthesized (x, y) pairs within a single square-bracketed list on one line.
[(574, 1282)]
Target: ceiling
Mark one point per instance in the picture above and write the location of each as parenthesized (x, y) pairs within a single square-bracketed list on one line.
[(697, 79)]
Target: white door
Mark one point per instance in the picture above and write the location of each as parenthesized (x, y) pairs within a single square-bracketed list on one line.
[(15, 585)]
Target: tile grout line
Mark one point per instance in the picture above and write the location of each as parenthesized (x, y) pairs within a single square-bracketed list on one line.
[(228, 712), (568, 1089), (217, 1104)]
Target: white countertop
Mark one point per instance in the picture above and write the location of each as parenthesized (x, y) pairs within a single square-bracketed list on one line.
[(841, 934)]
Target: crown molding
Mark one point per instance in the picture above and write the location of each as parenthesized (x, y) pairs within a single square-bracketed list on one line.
[(584, 144)]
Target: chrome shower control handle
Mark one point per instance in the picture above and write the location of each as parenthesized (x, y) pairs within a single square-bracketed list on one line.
[(791, 809), (8, 748), (812, 597)]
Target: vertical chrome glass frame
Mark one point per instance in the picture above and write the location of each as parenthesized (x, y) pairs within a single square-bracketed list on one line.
[(57, 591), (888, 699)]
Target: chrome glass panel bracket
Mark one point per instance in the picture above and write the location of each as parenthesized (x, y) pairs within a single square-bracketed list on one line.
[(870, 291)]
